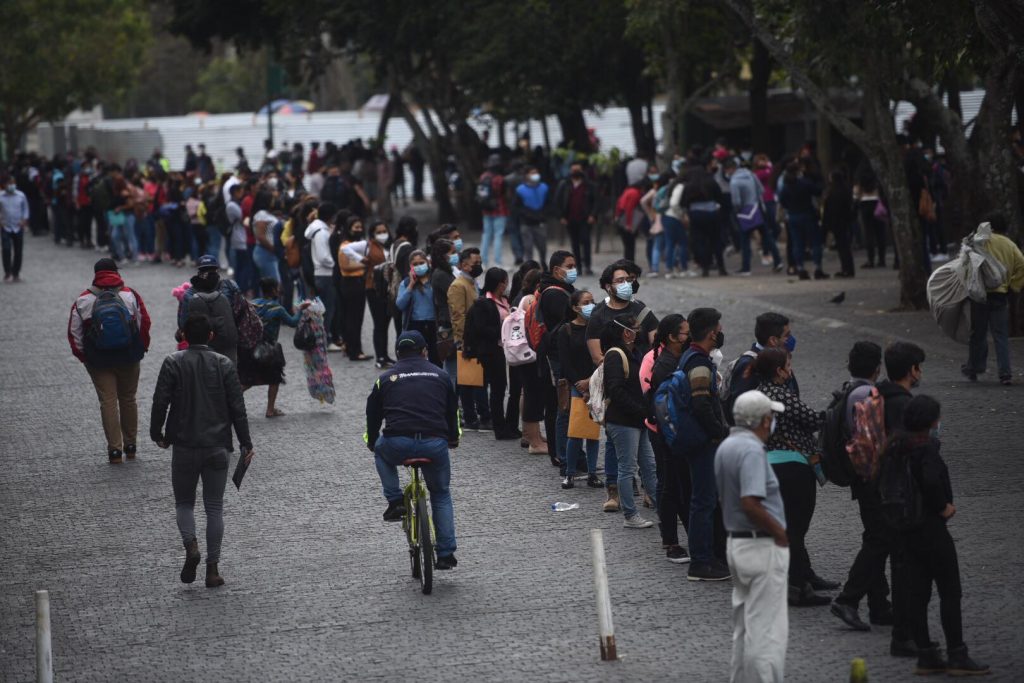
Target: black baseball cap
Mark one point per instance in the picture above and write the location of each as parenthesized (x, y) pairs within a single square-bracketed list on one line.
[(105, 263), (411, 339)]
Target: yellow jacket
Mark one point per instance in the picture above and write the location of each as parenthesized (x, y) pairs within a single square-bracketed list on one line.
[(461, 295), (1006, 252)]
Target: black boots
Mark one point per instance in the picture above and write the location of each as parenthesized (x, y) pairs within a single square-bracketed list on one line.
[(961, 664), (192, 556), (804, 596), (213, 577), (930, 661)]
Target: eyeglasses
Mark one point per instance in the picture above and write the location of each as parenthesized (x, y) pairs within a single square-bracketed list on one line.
[(620, 280)]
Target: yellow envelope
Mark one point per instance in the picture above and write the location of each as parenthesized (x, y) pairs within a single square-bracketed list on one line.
[(581, 426), (470, 372)]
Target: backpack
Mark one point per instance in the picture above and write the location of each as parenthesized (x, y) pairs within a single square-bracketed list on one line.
[(306, 257), (336, 191), (217, 215), (868, 438), (597, 403), (833, 437), (899, 491), (514, 340), (248, 322), (111, 326), (673, 409), (725, 389), (535, 326), (661, 198), (395, 278), (485, 193)]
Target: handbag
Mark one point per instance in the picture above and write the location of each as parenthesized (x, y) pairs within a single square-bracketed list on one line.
[(581, 426), (750, 217), (564, 394), (469, 372), (305, 337), (445, 343)]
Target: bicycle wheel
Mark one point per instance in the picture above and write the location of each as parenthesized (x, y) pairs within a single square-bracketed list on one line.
[(411, 531), (426, 545)]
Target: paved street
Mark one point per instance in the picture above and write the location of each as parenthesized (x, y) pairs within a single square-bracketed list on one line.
[(318, 587)]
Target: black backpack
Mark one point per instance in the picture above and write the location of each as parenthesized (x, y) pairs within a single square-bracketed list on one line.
[(217, 215), (485, 193), (899, 491), (306, 258), (834, 436), (336, 191)]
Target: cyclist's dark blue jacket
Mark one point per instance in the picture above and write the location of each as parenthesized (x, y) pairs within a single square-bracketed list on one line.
[(414, 397)]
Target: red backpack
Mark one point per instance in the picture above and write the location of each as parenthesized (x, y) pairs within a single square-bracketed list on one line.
[(868, 438), (534, 318)]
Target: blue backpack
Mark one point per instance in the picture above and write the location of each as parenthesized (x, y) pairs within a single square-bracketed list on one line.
[(111, 327), (674, 411)]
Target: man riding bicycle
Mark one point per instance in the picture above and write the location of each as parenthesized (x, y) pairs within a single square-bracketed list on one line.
[(416, 402)]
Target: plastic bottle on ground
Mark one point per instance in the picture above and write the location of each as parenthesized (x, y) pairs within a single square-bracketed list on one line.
[(562, 507)]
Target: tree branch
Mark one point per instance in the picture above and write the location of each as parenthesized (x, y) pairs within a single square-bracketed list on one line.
[(722, 76)]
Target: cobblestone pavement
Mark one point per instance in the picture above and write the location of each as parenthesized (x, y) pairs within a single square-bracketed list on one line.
[(318, 587)]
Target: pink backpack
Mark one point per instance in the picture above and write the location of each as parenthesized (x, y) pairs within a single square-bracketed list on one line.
[(514, 339)]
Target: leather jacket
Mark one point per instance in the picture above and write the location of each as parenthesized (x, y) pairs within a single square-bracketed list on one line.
[(201, 388)]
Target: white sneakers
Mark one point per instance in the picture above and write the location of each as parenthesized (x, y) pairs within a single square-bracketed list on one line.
[(637, 522), (333, 347)]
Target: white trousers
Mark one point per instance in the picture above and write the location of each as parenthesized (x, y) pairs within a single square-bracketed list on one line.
[(759, 609)]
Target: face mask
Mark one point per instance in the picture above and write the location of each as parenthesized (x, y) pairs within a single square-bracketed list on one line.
[(717, 357), (676, 165), (570, 276), (587, 310), (624, 291), (636, 286), (577, 176), (453, 260), (476, 271), (772, 428), (381, 237), (535, 177), (790, 343), (934, 433), (653, 177), (357, 235), (719, 339), (458, 244), (420, 269), (10, 189)]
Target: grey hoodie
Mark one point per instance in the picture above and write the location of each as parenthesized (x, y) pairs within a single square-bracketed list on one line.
[(744, 188)]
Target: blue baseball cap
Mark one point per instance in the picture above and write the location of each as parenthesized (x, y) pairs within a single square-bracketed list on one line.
[(411, 339), (208, 261)]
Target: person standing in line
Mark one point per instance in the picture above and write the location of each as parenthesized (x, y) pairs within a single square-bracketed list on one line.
[(462, 293), (108, 329), (757, 547), (353, 267), (531, 204), (701, 200), (318, 234), (444, 258), (576, 201), (577, 367), (15, 216), (799, 189), (746, 191), (406, 240), (197, 401), (493, 197), (837, 217), (415, 303)]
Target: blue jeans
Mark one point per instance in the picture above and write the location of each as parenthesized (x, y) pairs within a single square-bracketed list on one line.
[(994, 316), (515, 239), (245, 272), (804, 226), (388, 454), (570, 448), (657, 245), (325, 290), (768, 245), (633, 447), (147, 235), (494, 230), (265, 262), (122, 234), (213, 241), (703, 499), (675, 240)]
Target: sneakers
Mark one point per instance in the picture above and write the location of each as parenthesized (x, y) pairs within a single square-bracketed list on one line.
[(676, 554), (1006, 381), (129, 451), (743, 273), (192, 557), (213, 577), (960, 664), (707, 572), (446, 562), (114, 456), (930, 661), (395, 511), (334, 348), (637, 522), (766, 260), (567, 482), (594, 482)]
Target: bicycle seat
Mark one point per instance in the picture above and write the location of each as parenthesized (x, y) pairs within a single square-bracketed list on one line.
[(413, 462)]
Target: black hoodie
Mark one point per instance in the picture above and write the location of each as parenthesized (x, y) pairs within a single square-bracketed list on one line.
[(896, 399)]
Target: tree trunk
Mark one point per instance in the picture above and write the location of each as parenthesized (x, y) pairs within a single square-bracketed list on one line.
[(574, 130), (760, 72), (644, 145), (431, 149), (385, 117), (671, 130), (466, 145), (998, 173)]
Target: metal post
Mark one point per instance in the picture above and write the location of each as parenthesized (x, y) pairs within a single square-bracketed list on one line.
[(606, 630), (44, 655)]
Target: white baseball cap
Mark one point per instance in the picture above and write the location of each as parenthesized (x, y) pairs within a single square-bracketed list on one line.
[(751, 407)]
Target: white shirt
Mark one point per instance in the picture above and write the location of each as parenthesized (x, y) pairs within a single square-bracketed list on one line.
[(319, 234)]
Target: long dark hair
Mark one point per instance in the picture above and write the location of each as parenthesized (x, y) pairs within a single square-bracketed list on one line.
[(415, 281), (767, 364), (669, 325), (517, 278), (439, 255), (494, 277)]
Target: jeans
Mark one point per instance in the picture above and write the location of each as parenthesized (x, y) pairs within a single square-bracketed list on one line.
[(147, 234), (245, 272), (325, 290), (579, 238), (12, 242), (494, 230), (767, 243), (633, 447), (760, 617), (214, 237), (803, 227), (573, 446), (198, 247), (265, 263), (657, 243), (702, 503), (390, 451), (188, 465), (535, 235), (123, 243), (675, 241), (119, 412), (994, 316)]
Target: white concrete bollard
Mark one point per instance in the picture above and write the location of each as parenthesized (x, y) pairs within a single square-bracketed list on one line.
[(606, 630), (44, 654)]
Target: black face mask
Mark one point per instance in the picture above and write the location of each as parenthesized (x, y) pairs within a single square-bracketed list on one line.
[(636, 286), (719, 339), (356, 236), (476, 271), (577, 176)]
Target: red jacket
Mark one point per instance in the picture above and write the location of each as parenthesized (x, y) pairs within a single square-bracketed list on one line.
[(81, 311), (628, 206)]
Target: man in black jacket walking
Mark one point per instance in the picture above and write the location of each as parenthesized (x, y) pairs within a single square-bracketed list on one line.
[(201, 388)]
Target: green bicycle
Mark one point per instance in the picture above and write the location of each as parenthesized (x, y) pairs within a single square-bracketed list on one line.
[(418, 527)]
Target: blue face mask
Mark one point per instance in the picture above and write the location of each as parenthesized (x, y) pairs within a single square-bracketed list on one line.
[(453, 260), (653, 177), (790, 343), (624, 291), (458, 246), (420, 269), (587, 310), (570, 276), (934, 433)]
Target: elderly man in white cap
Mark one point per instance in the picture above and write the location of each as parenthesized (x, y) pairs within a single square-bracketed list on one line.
[(757, 549)]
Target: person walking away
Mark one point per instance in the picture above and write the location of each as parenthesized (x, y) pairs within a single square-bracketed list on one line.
[(674, 488), (415, 303), (992, 315), (462, 293), (212, 297), (531, 205), (837, 217), (481, 339), (576, 202), (757, 548), (746, 191), (913, 460), (577, 367), (625, 414), (318, 234), (701, 200), (793, 455), (415, 400), (492, 195), (353, 286), (799, 189), (706, 533), (14, 207), (196, 403), (108, 329)]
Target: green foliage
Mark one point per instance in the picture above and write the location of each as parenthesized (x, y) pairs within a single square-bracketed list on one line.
[(231, 84)]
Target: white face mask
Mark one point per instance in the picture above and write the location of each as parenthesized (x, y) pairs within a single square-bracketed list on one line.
[(381, 237), (772, 428)]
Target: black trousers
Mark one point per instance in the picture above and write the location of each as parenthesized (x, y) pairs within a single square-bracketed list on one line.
[(628, 244), (799, 490), (353, 307), (874, 233), (13, 242), (84, 220), (496, 382), (381, 321), (842, 233), (579, 237), (515, 392), (930, 557), (673, 489), (428, 328), (337, 330)]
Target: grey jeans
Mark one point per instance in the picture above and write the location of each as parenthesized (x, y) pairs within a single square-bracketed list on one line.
[(187, 466), (535, 235)]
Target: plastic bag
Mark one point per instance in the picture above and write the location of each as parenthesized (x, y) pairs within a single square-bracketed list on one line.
[(948, 298)]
